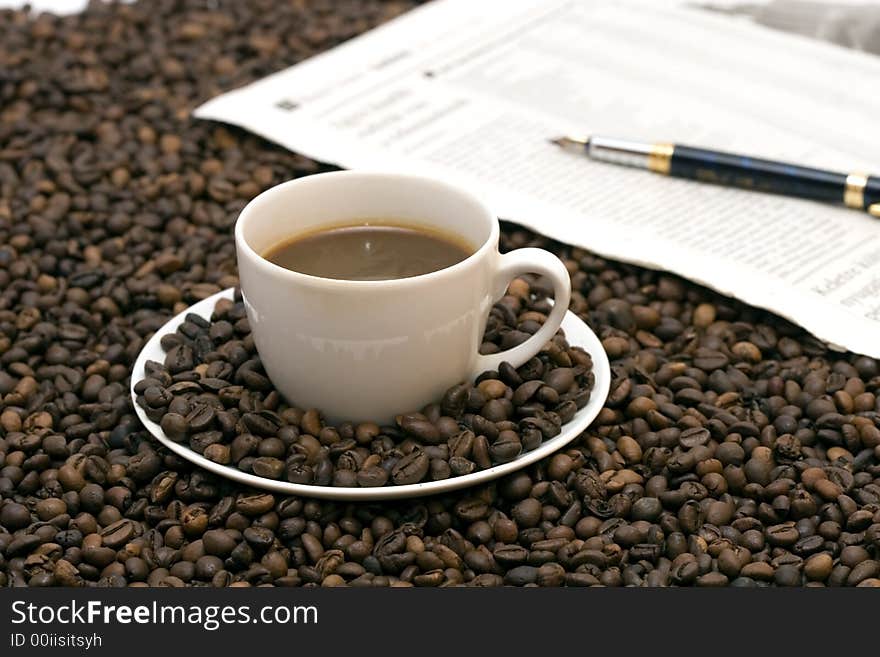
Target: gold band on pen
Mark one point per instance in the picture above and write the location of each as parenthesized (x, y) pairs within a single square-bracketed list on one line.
[(874, 209), (660, 157), (854, 192)]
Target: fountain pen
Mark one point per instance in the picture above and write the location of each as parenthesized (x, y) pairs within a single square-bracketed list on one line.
[(855, 190)]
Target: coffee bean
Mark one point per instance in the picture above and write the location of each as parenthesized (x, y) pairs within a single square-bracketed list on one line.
[(411, 469), (713, 579), (267, 466), (827, 489), (14, 516), (461, 443), (260, 424), (461, 466), (709, 359), (506, 447), (179, 359), (693, 437), (560, 379), (217, 453), (868, 569), (521, 575), (818, 567), (787, 575), (685, 572), (527, 513), (50, 508), (852, 555), (157, 397), (254, 505), (421, 430), (560, 466), (618, 313), (372, 476), (118, 533)]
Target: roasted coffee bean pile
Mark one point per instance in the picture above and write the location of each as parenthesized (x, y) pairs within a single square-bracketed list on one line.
[(733, 450), (212, 393)]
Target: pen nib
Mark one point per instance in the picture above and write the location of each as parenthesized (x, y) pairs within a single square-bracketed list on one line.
[(570, 143)]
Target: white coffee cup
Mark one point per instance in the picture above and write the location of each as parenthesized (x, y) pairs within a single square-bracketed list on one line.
[(367, 350)]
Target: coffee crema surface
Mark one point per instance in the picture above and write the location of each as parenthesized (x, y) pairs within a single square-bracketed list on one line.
[(369, 251)]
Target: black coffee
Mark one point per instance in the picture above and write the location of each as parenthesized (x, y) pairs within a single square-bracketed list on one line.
[(369, 252)]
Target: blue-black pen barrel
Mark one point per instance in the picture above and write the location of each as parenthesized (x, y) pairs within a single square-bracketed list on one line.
[(754, 173), (854, 189), (872, 194)]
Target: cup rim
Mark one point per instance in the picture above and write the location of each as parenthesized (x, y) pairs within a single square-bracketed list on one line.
[(248, 251)]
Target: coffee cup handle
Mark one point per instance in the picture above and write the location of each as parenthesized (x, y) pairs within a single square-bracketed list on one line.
[(523, 261)]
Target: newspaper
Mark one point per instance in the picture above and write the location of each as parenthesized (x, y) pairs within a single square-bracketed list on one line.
[(848, 23), (471, 92)]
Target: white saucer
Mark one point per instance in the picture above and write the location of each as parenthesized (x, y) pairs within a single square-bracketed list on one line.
[(576, 332)]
